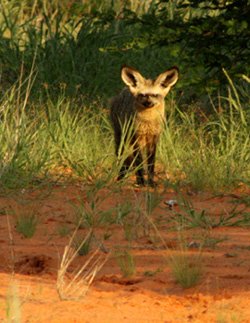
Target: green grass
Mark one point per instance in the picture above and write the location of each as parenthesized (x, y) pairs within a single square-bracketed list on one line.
[(40, 139), (242, 200), (63, 230), (208, 152), (26, 224), (126, 263)]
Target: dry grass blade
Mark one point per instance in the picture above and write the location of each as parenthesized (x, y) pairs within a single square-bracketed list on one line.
[(13, 304), (74, 286)]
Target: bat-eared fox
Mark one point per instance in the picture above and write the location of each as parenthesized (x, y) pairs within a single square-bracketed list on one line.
[(137, 115)]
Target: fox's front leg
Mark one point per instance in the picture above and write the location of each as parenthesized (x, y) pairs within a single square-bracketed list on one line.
[(139, 167), (151, 151)]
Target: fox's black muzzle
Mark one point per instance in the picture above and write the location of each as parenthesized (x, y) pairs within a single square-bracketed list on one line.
[(148, 104)]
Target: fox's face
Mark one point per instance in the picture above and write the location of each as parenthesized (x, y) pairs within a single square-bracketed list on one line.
[(149, 93)]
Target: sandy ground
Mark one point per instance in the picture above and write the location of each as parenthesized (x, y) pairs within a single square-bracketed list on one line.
[(29, 266)]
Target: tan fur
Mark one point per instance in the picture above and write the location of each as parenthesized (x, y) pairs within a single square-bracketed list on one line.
[(142, 101)]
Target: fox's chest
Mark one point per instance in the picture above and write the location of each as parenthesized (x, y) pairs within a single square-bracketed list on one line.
[(149, 126)]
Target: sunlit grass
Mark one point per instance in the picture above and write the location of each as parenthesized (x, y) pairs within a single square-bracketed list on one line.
[(40, 139), (208, 152)]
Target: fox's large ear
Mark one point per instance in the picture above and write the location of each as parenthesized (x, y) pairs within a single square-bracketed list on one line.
[(167, 79), (131, 77)]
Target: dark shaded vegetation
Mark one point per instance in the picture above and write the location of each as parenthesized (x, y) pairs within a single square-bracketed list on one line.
[(78, 49)]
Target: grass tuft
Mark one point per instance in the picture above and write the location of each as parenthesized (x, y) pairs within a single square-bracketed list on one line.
[(126, 263), (186, 268), (74, 285), (26, 225)]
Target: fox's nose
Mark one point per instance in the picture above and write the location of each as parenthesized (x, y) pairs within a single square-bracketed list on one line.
[(147, 104)]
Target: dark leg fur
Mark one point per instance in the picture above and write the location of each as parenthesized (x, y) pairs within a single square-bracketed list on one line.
[(140, 171), (151, 164)]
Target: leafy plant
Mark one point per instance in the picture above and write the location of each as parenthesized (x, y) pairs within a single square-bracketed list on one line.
[(190, 218)]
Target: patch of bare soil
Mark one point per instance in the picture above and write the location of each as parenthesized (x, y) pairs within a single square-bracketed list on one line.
[(29, 267)]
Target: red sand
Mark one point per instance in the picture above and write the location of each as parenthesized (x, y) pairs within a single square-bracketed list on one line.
[(28, 267)]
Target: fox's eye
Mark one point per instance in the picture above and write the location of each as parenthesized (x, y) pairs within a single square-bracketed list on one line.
[(155, 95)]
